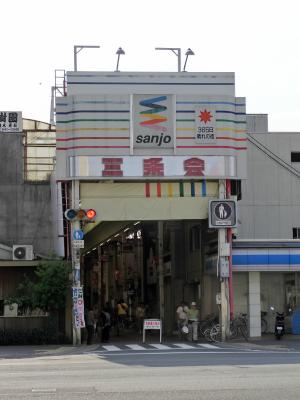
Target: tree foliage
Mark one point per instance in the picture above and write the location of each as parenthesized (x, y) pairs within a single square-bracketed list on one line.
[(47, 290)]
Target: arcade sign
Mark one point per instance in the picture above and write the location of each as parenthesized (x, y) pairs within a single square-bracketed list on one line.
[(143, 167)]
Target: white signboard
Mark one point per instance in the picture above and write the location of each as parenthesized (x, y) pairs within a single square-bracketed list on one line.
[(78, 307), (78, 244), (183, 167), (11, 121), (152, 324), (205, 123), (152, 121)]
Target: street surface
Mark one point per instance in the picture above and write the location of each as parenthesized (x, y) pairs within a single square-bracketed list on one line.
[(177, 371)]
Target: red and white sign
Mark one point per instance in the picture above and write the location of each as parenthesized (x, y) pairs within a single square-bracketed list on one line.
[(205, 123), (137, 167), (152, 324)]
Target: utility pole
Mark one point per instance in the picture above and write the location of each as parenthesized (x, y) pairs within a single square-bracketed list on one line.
[(160, 235), (223, 264), (75, 261)]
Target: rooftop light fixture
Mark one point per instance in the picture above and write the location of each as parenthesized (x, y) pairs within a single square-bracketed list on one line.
[(119, 52), (188, 53)]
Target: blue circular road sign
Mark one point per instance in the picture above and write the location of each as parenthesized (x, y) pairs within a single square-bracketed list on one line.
[(78, 234)]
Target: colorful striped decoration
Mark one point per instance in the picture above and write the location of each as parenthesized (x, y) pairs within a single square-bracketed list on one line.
[(175, 189)]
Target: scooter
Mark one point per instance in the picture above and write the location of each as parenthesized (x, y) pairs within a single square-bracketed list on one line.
[(279, 325)]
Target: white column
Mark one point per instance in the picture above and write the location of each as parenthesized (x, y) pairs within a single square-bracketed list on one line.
[(254, 305)]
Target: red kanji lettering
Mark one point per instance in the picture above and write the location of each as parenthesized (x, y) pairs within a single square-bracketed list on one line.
[(194, 167), (153, 167), (112, 167)]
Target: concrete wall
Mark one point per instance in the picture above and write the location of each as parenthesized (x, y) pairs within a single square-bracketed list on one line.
[(25, 211), (270, 205)]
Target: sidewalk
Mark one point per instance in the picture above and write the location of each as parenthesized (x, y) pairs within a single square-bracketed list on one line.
[(269, 342)]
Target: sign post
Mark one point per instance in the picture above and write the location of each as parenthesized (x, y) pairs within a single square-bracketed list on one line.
[(150, 324)]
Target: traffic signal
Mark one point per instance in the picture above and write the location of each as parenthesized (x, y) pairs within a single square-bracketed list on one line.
[(80, 215)]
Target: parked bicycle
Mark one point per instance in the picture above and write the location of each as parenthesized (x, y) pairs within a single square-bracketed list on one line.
[(238, 327)]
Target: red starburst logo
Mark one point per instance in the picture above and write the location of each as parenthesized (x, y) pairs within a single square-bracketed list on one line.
[(205, 116)]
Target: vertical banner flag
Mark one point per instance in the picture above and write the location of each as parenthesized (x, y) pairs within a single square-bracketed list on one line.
[(152, 121), (205, 124), (78, 307)]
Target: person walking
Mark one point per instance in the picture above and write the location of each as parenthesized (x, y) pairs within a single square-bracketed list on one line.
[(89, 323), (193, 320), (122, 309), (140, 315), (105, 324), (181, 315)]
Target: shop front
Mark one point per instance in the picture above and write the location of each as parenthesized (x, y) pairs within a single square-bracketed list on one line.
[(147, 151)]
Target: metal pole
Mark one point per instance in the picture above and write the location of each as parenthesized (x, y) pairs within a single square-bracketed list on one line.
[(229, 240), (77, 49), (160, 232), (75, 58), (179, 60), (75, 275), (224, 320)]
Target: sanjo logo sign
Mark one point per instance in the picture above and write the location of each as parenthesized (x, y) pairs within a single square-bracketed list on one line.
[(153, 121)]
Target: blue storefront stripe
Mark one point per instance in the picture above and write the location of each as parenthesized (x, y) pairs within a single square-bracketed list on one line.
[(265, 259)]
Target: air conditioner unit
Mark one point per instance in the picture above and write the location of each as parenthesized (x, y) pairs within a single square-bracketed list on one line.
[(11, 310), (22, 252)]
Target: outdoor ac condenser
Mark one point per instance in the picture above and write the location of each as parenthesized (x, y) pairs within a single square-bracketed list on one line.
[(22, 252)]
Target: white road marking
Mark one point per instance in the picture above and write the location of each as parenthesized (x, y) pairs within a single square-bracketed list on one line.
[(208, 346), (184, 346), (111, 348), (135, 347), (160, 346)]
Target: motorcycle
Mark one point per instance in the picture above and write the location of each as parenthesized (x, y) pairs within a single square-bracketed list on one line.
[(279, 324)]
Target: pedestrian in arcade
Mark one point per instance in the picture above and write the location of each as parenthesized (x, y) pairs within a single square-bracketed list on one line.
[(181, 315), (122, 309), (193, 319), (89, 323), (140, 315), (105, 324)]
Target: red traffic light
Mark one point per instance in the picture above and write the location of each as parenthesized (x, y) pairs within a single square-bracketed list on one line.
[(80, 215), (90, 214)]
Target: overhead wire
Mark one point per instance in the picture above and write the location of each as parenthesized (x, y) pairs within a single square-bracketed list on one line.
[(273, 156)]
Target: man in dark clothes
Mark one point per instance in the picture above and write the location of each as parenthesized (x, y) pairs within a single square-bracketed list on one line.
[(105, 323)]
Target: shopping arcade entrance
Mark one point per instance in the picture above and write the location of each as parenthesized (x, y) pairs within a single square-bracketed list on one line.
[(121, 258)]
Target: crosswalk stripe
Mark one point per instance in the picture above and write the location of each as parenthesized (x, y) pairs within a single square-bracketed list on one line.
[(160, 346), (135, 347), (184, 346), (111, 348), (208, 346)]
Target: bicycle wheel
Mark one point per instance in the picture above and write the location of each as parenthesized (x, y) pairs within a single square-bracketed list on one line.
[(233, 330), (215, 333), (244, 332), (206, 335)]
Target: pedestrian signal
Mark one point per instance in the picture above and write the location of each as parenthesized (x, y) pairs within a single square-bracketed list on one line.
[(80, 215)]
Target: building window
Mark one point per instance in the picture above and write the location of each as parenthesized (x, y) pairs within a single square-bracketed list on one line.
[(296, 233), (295, 157)]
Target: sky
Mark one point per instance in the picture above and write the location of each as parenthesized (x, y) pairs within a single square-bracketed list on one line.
[(258, 40)]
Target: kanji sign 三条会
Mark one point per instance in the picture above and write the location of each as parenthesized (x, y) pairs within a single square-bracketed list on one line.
[(136, 167)]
